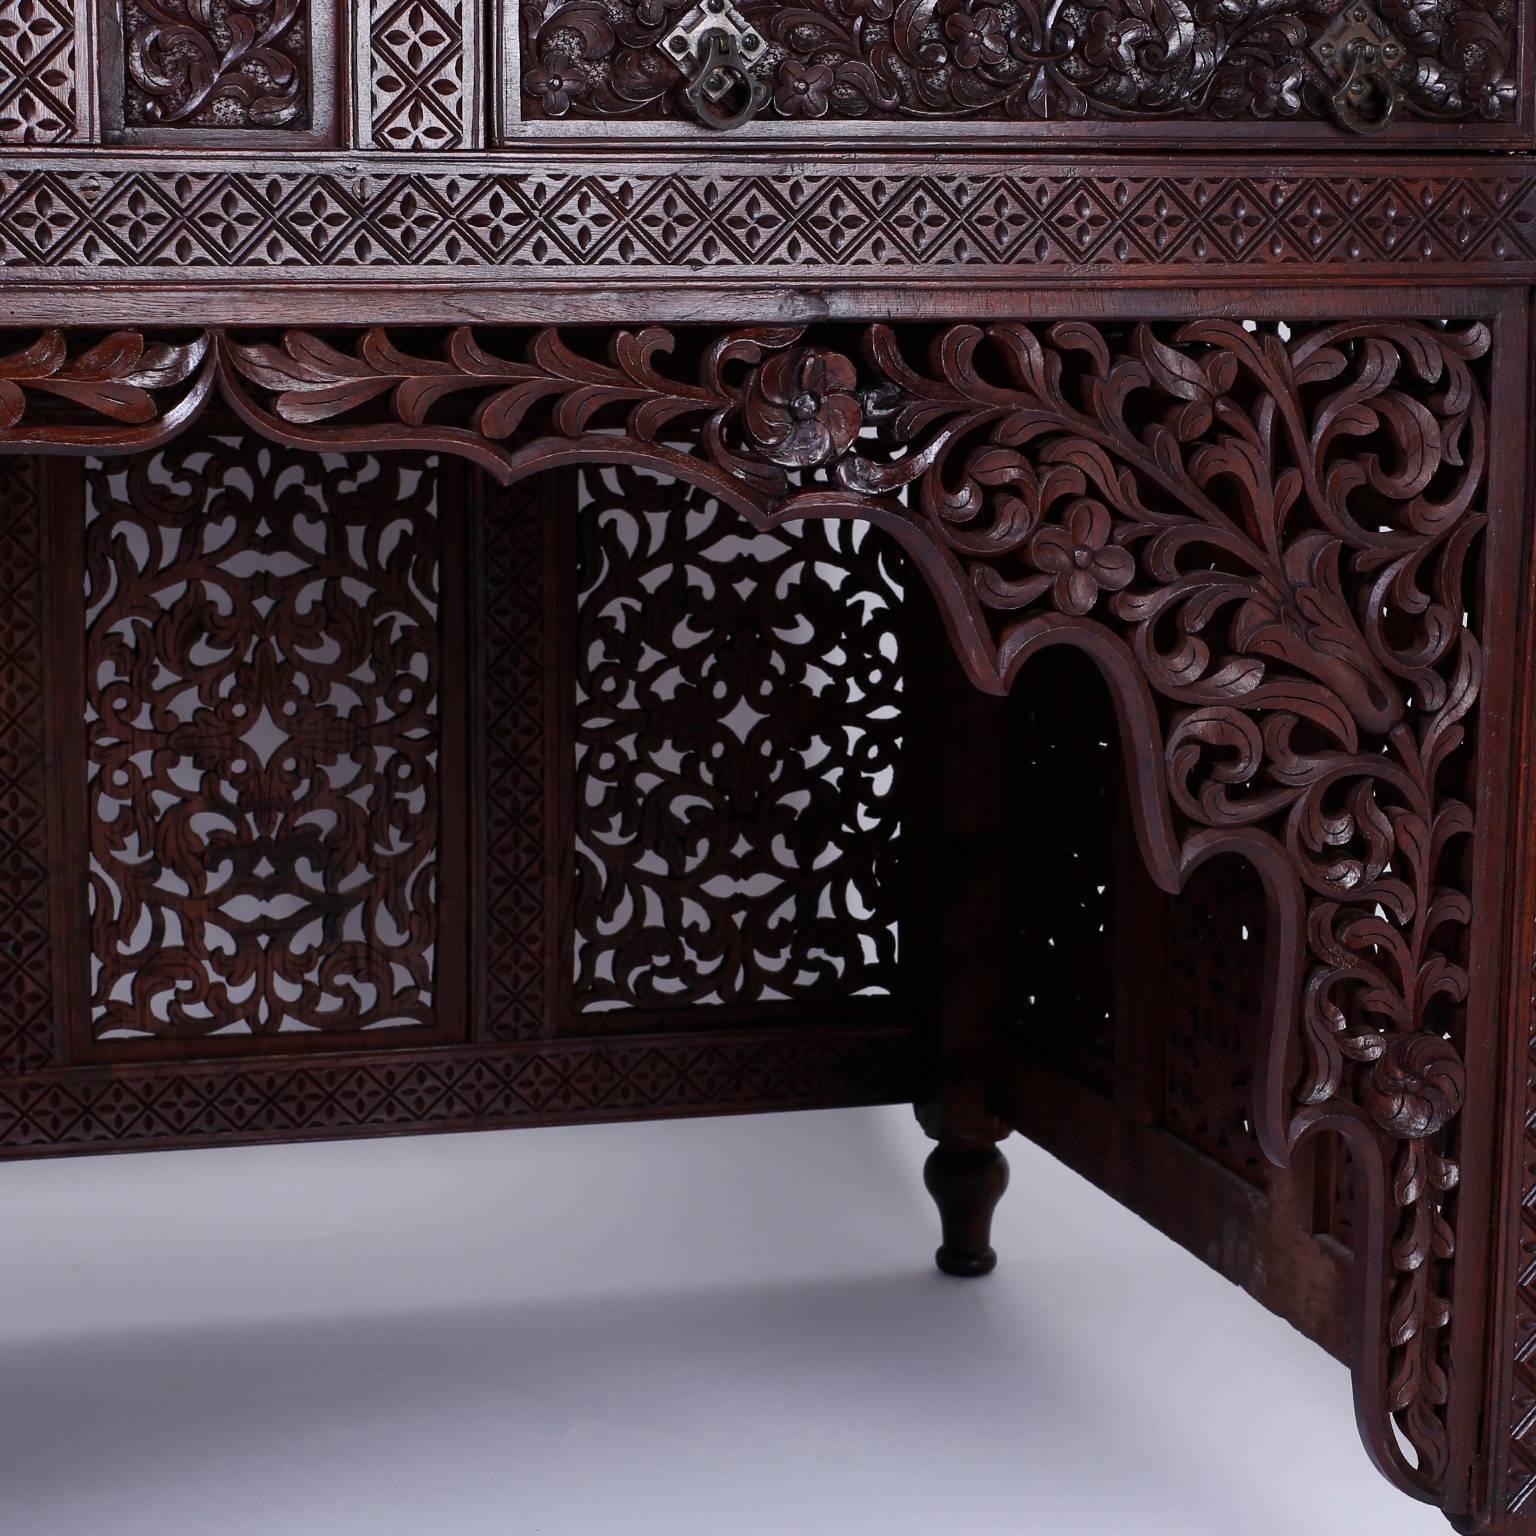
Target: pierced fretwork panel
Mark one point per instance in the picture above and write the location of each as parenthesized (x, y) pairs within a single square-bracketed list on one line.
[(738, 737), (1064, 754), (262, 740), (1215, 1014)]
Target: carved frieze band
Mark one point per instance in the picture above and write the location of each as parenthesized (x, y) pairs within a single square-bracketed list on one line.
[(886, 218), (1265, 536)]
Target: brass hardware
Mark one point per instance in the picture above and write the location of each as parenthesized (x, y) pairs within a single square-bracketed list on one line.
[(718, 48), (1359, 51)]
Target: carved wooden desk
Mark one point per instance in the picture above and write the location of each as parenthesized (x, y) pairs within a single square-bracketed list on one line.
[(600, 558)]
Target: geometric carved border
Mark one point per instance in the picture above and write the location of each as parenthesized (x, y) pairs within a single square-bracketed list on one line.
[(1520, 1491), (828, 216), (43, 46), (27, 1040), (466, 1089), (418, 86), (515, 531), (1522, 1433)]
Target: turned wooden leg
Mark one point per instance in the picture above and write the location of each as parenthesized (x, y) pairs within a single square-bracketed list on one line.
[(965, 1173), (966, 1182)]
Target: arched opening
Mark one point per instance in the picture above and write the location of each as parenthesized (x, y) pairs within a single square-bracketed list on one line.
[(1179, 838), (1135, 1019)]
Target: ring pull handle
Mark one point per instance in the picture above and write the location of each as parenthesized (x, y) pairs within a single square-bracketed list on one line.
[(724, 77), (717, 48), (1359, 51)]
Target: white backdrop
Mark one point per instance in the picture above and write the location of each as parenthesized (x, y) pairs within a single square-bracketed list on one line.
[(728, 1328)]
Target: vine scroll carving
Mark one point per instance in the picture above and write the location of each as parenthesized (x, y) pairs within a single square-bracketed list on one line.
[(262, 740), (1020, 60), (1265, 537), (217, 63)]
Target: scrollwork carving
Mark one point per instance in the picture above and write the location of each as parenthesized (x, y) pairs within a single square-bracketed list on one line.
[(1021, 60), (1270, 530), (1266, 539), (145, 389), (262, 742), (217, 63)]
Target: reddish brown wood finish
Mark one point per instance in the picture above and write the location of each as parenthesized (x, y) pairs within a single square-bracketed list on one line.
[(1247, 432)]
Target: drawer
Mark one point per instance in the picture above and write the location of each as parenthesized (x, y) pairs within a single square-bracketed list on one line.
[(442, 75), (1233, 73)]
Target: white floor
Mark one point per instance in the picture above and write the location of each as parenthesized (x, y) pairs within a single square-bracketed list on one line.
[(728, 1328)]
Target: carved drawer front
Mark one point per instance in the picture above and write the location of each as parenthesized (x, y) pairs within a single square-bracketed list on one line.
[(235, 73), (1146, 71), (424, 75)]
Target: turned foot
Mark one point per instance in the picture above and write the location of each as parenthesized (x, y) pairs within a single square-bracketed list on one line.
[(966, 1182)]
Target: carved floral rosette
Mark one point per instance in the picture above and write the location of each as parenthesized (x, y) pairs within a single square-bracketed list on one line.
[(1264, 537)]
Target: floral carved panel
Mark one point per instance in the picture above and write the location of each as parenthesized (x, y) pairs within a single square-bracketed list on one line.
[(1019, 61), (262, 742), (1267, 529), (739, 727), (217, 64)]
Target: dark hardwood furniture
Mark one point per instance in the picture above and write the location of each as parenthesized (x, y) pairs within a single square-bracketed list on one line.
[(596, 558)]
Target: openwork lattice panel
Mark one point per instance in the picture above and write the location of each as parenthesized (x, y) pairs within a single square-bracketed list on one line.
[(1215, 1014), (1064, 756), (738, 743), (263, 736), (27, 1038)]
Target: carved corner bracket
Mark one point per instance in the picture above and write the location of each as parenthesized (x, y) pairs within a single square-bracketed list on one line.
[(1265, 539)]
